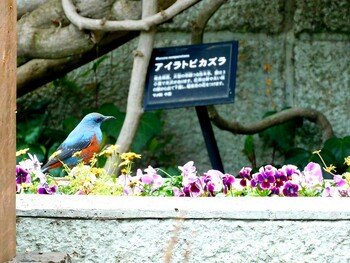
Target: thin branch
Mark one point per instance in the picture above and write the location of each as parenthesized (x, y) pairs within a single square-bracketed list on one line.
[(202, 19), (289, 114), (132, 25), (134, 108)]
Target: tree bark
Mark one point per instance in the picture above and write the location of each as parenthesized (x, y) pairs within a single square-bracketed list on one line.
[(134, 108), (311, 115), (38, 72), (49, 46)]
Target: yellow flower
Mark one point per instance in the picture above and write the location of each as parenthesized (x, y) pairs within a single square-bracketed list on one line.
[(130, 156), (21, 152), (347, 161), (110, 150), (98, 171), (76, 154), (347, 176), (330, 168), (125, 171), (124, 163)]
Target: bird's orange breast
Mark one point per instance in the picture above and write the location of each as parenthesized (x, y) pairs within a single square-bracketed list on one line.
[(89, 151)]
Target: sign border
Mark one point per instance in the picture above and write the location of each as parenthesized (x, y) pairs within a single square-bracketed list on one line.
[(201, 102)]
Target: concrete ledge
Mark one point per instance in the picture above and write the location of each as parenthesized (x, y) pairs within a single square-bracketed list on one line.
[(111, 208), (154, 229), (51, 257)]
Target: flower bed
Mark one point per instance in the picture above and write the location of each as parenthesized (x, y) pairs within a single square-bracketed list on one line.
[(267, 181)]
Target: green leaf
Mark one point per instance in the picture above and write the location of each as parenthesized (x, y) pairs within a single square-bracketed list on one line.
[(70, 123), (337, 149), (32, 134), (150, 126), (249, 149), (95, 65), (281, 135), (249, 146), (298, 157)]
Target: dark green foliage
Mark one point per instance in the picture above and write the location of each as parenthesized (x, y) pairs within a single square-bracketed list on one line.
[(249, 150), (298, 156), (281, 136), (334, 152), (33, 133), (338, 149)]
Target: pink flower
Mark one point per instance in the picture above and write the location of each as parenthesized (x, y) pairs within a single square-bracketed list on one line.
[(339, 180), (188, 169), (151, 177), (312, 175)]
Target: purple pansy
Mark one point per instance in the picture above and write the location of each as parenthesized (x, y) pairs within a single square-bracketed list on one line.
[(290, 189), (292, 172), (339, 180), (194, 189), (280, 177), (22, 175), (213, 181), (275, 191), (266, 176), (244, 173), (228, 180), (47, 189)]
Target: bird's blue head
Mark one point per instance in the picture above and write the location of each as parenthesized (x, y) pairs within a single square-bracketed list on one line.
[(95, 119)]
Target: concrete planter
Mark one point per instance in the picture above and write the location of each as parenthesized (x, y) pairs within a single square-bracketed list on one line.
[(151, 229)]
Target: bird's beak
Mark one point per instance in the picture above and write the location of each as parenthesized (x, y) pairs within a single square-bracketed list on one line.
[(108, 118)]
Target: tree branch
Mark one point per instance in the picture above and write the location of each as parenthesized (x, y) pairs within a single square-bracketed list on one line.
[(38, 72), (46, 33), (25, 6), (144, 24), (134, 109), (289, 114), (203, 17), (49, 46)]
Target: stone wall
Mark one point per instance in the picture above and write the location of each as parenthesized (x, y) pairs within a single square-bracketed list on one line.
[(307, 45), (148, 229)]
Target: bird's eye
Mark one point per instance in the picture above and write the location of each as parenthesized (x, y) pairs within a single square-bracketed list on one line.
[(98, 120)]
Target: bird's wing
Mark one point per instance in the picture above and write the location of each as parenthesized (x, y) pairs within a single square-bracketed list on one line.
[(66, 150)]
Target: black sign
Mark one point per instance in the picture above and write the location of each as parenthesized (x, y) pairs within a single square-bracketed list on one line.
[(191, 75)]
